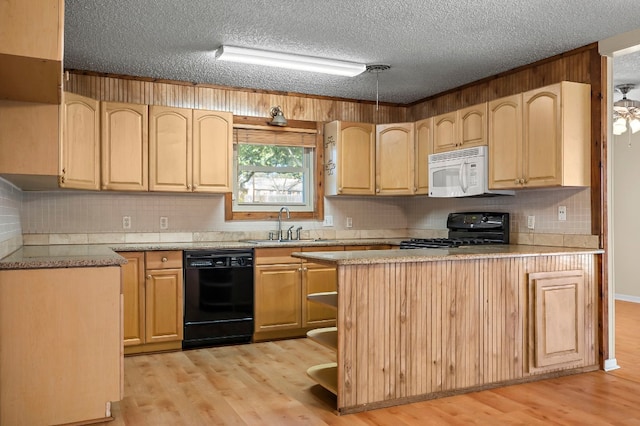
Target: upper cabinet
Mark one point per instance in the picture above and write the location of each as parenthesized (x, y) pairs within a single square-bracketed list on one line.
[(459, 129), (31, 50), (212, 151), (29, 144), (80, 143), (541, 138), (423, 147), (190, 150), (350, 158), (170, 148), (395, 159), (124, 146)]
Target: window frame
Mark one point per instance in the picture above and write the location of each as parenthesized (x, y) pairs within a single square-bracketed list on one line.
[(300, 126)]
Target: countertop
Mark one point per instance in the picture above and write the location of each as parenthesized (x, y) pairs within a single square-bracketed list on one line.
[(90, 255), (69, 256), (362, 257)]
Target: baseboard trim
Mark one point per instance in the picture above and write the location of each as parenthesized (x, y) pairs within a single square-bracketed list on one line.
[(625, 298), (611, 364)]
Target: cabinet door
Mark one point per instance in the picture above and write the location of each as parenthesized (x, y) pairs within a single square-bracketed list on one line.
[(472, 125), (423, 147), (164, 305), (445, 136), (318, 278), (395, 159), (542, 131), (278, 297), (124, 146), (133, 285), (505, 142), (556, 319), (212, 151), (80, 147), (170, 149), (356, 159)]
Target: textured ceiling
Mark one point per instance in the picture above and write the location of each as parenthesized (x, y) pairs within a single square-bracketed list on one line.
[(431, 46)]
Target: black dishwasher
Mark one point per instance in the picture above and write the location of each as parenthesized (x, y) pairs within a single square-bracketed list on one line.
[(218, 297)]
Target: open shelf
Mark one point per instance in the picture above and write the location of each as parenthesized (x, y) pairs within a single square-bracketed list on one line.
[(326, 375), (327, 336), (329, 298)]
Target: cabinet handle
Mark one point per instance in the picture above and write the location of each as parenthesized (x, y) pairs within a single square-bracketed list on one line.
[(377, 189), (305, 269), (195, 186), (188, 186), (517, 181), (299, 269), (149, 276), (164, 259)]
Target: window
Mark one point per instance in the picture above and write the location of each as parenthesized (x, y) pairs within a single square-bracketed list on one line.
[(273, 169)]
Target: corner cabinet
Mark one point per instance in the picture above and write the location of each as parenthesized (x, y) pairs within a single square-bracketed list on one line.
[(553, 146), (464, 128), (124, 146), (395, 147), (350, 156), (190, 150), (153, 301), (80, 143)]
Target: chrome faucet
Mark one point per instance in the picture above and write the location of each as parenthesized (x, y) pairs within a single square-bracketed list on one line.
[(280, 220)]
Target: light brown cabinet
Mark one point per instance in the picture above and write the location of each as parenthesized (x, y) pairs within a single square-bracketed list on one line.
[(556, 320), (80, 143), (60, 333), (29, 152), (350, 158), (395, 159), (282, 284), (423, 147), (31, 50), (553, 147), (464, 128), (153, 301), (124, 146), (190, 150)]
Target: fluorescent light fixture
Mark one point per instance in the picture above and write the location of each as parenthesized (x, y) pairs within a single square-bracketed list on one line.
[(289, 61)]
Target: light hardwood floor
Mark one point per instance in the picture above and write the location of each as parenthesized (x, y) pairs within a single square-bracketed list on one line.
[(266, 384)]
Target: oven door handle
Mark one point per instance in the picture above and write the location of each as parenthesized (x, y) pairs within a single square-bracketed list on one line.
[(462, 176)]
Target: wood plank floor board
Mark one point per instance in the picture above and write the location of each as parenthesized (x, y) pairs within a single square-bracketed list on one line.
[(266, 384)]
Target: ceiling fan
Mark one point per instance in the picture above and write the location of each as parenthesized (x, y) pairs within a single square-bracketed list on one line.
[(625, 111)]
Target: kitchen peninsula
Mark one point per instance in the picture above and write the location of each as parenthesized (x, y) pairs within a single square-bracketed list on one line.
[(425, 323)]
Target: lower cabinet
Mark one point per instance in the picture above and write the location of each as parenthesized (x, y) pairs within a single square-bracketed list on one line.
[(282, 284), (153, 301), (556, 320)]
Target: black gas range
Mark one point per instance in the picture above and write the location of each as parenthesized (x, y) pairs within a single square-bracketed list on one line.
[(465, 229)]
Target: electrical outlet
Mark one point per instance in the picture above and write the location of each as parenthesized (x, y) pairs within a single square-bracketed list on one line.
[(562, 212), (328, 221), (531, 222), (126, 222), (164, 222), (349, 222)]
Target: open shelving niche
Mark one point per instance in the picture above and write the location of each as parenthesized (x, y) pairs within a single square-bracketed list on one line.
[(326, 375)]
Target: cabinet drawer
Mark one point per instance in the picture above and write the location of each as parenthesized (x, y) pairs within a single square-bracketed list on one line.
[(163, 259), (276, 255)]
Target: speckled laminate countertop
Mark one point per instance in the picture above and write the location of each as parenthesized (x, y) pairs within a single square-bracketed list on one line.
[(89, 255), (70, 256), (362, 257)]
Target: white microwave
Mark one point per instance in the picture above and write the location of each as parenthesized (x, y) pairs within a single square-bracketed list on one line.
[(461, 173)]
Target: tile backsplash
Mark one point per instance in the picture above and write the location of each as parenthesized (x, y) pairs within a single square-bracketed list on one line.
[(10, 228), (78, 212)]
